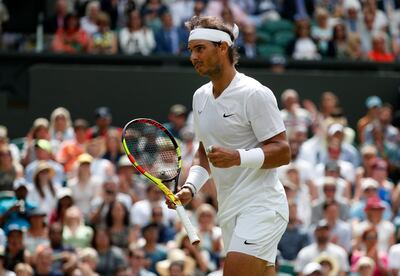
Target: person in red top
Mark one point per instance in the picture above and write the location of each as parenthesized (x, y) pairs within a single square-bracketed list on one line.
[(70, 38), (378, 52)]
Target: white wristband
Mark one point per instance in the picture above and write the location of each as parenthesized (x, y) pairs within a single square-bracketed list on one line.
[(252, 158), (197, 177)]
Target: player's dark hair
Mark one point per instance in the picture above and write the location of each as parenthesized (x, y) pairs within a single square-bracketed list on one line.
[(211, 22)]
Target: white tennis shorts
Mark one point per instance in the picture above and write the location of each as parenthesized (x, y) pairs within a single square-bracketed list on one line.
[(255, 232)]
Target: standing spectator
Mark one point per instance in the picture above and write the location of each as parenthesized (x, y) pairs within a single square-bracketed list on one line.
[(378, 52), (71, 149), (75, 233), (56, 21), (295, 237), (39, 130), (373, 104), (44, 190), (89, 21), (85, 186), (43, 152), (60, 128), (136, 38), (104, 40), (176, 119), (293, 114), (394, 257), (9, 169), (303, 47), (111, 258), (38, 232), (170, 39), (70, 38), (369, 248), (137, 263), (322, 245)]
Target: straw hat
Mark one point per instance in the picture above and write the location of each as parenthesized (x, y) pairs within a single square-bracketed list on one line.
[(42, 166), (176, 255), (326, 259)]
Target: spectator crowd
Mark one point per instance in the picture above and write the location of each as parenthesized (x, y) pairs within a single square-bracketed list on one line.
[(298, 29), (71, 203)]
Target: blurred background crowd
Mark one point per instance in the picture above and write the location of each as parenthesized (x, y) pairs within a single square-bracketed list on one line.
[(71, 203), (298, 29)]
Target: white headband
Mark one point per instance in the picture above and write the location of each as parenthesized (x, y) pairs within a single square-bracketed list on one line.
[(213, 35)]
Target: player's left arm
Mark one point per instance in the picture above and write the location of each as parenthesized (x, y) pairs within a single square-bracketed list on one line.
[(275, 150)]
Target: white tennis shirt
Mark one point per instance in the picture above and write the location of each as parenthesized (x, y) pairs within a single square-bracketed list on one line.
[(243, 116)]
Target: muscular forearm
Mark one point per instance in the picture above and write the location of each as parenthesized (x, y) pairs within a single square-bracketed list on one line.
[(276, 154)]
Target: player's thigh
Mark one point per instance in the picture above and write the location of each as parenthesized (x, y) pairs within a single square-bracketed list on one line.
[(239, 264)]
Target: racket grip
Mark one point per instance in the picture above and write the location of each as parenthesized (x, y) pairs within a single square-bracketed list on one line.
[(193, 237)]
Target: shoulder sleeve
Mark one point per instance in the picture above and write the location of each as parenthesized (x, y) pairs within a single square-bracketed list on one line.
[(263, 114)]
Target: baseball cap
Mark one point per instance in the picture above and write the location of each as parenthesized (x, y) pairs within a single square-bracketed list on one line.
[(369, 183), (103, 112), (3, 132), (178, 109), (20, 182), (64, 192), (329, 181), (124, 162), (322, 224), (37, 212), (374, 203), (44, 145), (368, 149), (332, 165), (85, 158), (373, 101), (41, 122), (81, 123), (311, 268), (365, 261), (14, 227), (334, 128)]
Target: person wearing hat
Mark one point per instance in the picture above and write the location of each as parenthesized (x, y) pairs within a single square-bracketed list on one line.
[(312, 269), (85, 185), (369, 189), (176, 120), (328, 195), (13, 209), (321, 244), (64, 201), (39, 130), (43, 152), (60, 127), (177, 263), (37, 233), (71, 149), (4, 140), (130, 182), (373, 105), (103, 125), (15, 249), (374, 210), (44, 190)]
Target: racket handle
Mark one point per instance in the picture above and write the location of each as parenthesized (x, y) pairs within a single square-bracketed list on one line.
[(194, 239)]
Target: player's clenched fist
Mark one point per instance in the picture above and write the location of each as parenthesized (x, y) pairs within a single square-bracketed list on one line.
[(223, 158)]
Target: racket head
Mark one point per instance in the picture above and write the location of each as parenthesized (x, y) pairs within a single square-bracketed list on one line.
[(152, 149)]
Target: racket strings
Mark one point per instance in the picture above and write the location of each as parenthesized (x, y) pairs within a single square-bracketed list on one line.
[(153, 150)]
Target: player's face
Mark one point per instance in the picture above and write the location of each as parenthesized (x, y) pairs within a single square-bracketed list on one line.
[(205, 57)]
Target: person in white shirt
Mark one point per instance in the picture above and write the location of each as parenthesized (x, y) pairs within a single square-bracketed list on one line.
[(394, 257), (237, 120)]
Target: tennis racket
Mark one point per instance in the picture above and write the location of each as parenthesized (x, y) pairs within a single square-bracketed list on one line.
[(154, 152)]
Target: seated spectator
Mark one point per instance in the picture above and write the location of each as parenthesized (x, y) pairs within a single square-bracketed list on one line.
[(75, 233), (103, 120), (303, 47), (44, 153), (3, 270), (71, 38), (9, 169), (43, 260), (137, 263), (322, 31), (365, 266), (23, 269), (154, 251), (39, 130), (332, 169), (89, 21), (71, 149), (166, 232), (117, 221), (84, 186), (338, 43), (64, 201), (248, 47), (4, 141), (100, 167), (113, 147), (103, 41), (38, 232), (394, 256), (118, 11), (151, 12), (177, 263), (170, 39), (87, 262), (130, 182), (111, 258), (44, 190), (216, 7), (354, 48), (369, 248), (60, 128), (56, 21), (136, 38), (293, 11), (15, 248), (64, 253), (380, 174), (177, 116), (352, 16), (367, 30), (378, 52)]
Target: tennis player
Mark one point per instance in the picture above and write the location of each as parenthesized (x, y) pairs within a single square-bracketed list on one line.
[(237, 120)]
